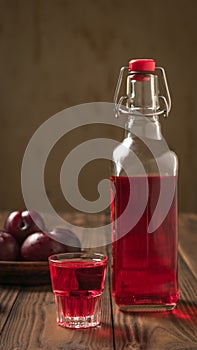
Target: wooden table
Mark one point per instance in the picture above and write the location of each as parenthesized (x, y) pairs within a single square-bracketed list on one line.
[(27, 314)]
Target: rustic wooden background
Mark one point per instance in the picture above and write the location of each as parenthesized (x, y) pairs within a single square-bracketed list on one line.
[(59, 53)]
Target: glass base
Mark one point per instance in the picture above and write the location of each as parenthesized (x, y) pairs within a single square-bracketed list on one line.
[(79, 322), (78, 312), (147, 308), (148, 303)]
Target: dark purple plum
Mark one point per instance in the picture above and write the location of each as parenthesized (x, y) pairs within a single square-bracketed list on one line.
[(66, 237), (9, 247), (39, 246), (21, 224)]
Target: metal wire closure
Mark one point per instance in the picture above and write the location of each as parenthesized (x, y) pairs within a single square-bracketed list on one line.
[(167, 101), (122, 109)]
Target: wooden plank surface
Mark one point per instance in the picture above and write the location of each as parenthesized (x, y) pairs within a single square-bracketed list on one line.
[(8, 297), (188, 240)]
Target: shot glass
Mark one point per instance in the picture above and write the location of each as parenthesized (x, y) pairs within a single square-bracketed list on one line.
[(78, 283)]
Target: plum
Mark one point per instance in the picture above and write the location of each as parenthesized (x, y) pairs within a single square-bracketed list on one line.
[(20, 224), (39, 246), (66, 237), (9, 248)]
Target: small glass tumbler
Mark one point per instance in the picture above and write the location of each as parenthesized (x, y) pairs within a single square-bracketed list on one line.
[(78, 283)]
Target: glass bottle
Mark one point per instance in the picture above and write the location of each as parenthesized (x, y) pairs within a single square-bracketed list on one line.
[(144, 203)]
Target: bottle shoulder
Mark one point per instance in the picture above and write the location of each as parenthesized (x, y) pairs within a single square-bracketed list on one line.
[(136, 155)]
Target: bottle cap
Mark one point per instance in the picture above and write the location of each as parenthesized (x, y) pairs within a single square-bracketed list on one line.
[(141, 65)]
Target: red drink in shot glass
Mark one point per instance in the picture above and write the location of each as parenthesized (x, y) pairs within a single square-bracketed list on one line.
[(78, 283)]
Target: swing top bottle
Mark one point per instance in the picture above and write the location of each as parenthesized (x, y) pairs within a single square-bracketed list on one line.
[(144, 205)]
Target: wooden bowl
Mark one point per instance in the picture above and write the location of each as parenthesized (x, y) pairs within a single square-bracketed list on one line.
[(26, 273)]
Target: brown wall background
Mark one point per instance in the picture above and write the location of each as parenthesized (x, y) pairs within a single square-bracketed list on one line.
[(59, 53)]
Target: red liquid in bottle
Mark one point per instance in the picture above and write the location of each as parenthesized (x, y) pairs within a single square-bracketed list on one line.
[(144, 264)]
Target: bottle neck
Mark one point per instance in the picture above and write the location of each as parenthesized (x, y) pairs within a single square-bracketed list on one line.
[(143, 103), (142, 93), (143, 127)]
